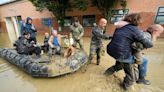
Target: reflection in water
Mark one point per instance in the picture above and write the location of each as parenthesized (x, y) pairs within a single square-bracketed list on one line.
[(4, 40), (12, 79)]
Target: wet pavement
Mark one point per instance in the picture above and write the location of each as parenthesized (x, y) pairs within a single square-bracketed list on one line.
[(12, 79)]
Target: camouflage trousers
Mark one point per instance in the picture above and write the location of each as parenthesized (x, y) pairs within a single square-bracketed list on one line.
[(95, 50), (79, 42)]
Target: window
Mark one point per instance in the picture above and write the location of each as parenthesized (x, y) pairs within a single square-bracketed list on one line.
[(46, 22), (160, 16), (118, 15), (67, 21), (89, 20)]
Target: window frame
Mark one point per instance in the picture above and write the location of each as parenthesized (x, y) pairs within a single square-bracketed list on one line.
[(46, 21), (158, 14), (116, 14), (69, 18), (88, 16)]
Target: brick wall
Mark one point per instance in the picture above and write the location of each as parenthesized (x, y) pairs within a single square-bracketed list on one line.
[(3, 27), (147, 8)]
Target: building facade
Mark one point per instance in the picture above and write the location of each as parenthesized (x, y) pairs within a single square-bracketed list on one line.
[(14, 13)]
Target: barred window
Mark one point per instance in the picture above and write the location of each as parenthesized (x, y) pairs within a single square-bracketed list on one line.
[(67, 21), (160, 16), (117, 15), (89, 20), (46, 22)]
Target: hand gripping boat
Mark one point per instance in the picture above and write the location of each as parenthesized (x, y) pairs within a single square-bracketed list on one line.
[(42, 67)]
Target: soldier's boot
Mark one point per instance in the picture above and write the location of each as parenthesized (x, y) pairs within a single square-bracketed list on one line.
[(109, 71), (98, 61), (90, 59), (81, 46)]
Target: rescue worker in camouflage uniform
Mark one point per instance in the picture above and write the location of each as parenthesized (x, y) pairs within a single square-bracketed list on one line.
[(96, 42), (77, 32)]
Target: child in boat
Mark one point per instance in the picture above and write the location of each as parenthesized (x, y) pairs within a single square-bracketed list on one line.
[(71, 49), (45, 46)]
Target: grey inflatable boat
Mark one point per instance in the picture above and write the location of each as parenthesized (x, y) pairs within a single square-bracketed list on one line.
[(45, 66)]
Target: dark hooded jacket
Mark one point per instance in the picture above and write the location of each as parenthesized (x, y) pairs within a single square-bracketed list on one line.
[(22, 44), (120, 45), (30, 28)]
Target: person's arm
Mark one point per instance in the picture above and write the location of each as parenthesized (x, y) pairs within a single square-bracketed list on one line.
[(139, 36), (59, 39), (33, 28), (70, 28), (26, 43), (100, 35), (50, 41), (82, 32)]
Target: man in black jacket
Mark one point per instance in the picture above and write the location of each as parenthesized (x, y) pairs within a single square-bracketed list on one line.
[(23, 46)]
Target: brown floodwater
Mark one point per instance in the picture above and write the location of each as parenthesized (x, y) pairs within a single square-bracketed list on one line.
[(12, 79)]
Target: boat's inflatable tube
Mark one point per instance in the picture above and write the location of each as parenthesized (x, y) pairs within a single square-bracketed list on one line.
[(36, 67)]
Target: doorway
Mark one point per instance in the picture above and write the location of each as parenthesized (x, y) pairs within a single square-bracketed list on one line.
[(13, 27)]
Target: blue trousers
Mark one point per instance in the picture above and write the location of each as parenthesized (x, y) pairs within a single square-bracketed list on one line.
[(143, 68)]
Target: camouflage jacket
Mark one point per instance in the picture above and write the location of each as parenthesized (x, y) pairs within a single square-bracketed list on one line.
[(77, 32), (97, 35)]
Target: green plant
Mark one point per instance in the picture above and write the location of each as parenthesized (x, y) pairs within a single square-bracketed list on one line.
[(59, 7), (80, 4), (123, 3), (105, 7)]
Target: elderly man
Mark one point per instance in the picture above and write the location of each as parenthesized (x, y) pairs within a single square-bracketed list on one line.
[(54, 46), (155, 31), (96, 42)]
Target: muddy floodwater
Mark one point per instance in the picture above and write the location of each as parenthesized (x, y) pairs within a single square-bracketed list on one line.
[(12, 79)]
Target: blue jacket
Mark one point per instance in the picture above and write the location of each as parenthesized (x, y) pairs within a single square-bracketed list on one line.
[(120, 45)]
